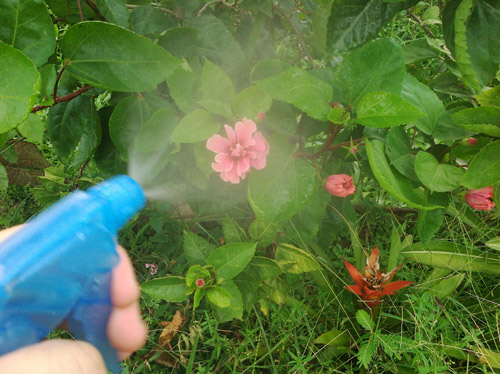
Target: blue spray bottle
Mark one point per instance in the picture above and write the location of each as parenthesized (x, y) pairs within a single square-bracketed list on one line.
[(58, 267)]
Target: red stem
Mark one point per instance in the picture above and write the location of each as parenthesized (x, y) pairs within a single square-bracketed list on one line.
[(62, 99)]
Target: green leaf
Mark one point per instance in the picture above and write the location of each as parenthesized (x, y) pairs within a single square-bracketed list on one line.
[(334, 338), (383, 109), (354, 22), (4, 181), (113, 58), (219, 296), (180, 42), (295, 260), (250, 102), (217, 43), (114, 11), (171, 289), (429, 222), (391, 181), (296, 86), (27, 26), (48, 74), (194, 273), (198, 296), (230, 259), (489, 97), (377, 66), (484, 169), (17, 97), (66, 123), (398, 150), (217, 90), (435, 176), (91, 137), (462, 56), (446, 129), (184, 89), (264, 232), (155, 134), (422, 97), (395, 249), (128, 117), (417, 51), (447, 286), (482, 119), (232, 231), (32, 128), (235, 308), (448, 255), (493, 244), (283, 188), (196, 249), (260, 269), (365, 320), (147, 19), (197, 126)]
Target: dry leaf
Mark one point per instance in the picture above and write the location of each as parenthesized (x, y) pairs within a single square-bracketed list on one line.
[(170, 329)]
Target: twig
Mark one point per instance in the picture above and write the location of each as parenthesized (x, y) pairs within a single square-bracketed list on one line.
[(421, 23), (437, 70), (80, 9), (94, 8), (302, 42), (223, 2), (157, 6), (62, 99), (54, 94)]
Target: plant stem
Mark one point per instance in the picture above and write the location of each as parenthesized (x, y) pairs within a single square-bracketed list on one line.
[(62, 99), (427, 30)]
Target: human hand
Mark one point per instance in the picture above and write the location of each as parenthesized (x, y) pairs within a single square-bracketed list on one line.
[(126, 332)]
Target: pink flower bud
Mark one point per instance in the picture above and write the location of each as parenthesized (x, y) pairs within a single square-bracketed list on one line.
[(154, 268), (472, 141), (261, 116), (480, 199), (353, 149), (200, 283), (340, 185)]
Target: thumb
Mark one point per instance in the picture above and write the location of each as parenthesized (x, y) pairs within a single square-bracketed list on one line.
[(54, 357)]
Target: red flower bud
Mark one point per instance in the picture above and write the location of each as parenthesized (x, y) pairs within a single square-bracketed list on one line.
[(480, 199), (340, 185), (472, 141), (200, 283), (261, 116)]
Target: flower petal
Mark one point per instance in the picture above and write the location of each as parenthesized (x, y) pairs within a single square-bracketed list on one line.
[(355, 289), (242, 166), (224, 162), (218, 144), (261, 144), (244, 130), (258, 163), (390, 288), (231, 135), (355, 274)]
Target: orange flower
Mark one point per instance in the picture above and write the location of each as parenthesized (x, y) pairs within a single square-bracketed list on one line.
[(374, 285)]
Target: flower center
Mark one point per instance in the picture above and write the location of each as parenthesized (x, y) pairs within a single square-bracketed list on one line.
[(237, 151), (373, 282)]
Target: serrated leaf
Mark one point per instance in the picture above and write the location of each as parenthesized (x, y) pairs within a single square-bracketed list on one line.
[(296, 86), (435, 176), (113, 58), (483, 119), (230, 259), (260, 269), (365, 320), (383, 109), (235, 308), (197, 126), (219, 296), (32, 128), (398, 150), (194, 273), (184, 89), (354, 22), (263, 232), (114, 11), (198, 296), (423, 98), (17, 97), (250, 102), (295, 260), (155, 134), (429, 222), (489, 97), (171, 289), (393, 182), (484, 169), (196, 249), (233, 233), (147, 19), (284, 187), (27, 26), (448, 255), (377, 66)]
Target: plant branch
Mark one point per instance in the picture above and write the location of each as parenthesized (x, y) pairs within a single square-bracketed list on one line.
[(427, 30), (157, 6), (92, 5), (54, 94), (80, 10), (302, 42), (223, 2), (62, 99)]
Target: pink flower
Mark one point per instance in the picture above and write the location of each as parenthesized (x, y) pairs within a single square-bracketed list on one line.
[(340, 185), (472, 141), (480, 199), (200, 282), (238, 153), (154, 268)]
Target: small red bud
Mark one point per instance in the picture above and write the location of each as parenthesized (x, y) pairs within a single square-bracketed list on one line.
[(261, 116), (200, 283), (472, 141), (353, 149)]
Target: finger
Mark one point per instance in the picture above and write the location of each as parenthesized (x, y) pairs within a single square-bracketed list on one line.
[(4, 234), (54, 357), (126, 330), (124, 286)]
